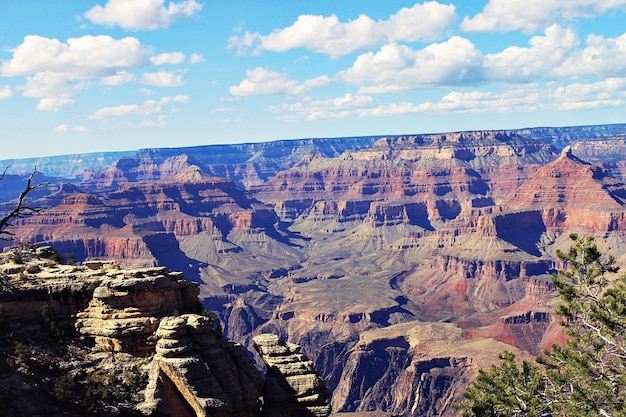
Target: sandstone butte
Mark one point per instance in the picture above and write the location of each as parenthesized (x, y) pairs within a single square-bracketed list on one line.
[(400, 265)]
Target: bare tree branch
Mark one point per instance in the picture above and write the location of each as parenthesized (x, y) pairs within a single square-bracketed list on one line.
[(23, 208)]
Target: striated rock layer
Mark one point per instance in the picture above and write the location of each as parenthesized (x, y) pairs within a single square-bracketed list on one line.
[(331, 248), (292, 386), (148, 318), (196, 373)]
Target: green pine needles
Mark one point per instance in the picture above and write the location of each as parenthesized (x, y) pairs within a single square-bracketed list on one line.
[(586, 376)]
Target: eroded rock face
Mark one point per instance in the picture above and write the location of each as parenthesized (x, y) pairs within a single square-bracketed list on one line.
[(457, 228), (126, 309), (125, 222), (196, 372), (418, 360), (292, 386)]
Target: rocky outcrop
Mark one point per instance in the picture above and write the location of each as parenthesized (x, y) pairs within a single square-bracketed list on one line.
[(30, 280), (197, 373), (127, 307), (143, 321), (292, 386)]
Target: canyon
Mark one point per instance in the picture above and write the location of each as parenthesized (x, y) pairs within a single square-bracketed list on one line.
[(399, 265)]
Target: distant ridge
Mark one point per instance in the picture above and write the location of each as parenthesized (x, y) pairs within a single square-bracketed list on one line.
[(281, 152)]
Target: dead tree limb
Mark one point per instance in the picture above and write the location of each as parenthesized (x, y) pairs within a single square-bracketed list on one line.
[(23, 208)]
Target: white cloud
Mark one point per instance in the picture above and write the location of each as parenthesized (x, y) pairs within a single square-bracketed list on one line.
[(229, 121), (510, 98), (79, 58), (555, 55), (331, 108), (162, 79), (146, 108), (54, 104), (141, 14), (264, 82), (168, 58), (539, 61), (577, 96), (221, 110), (518, 98), (121, 77), (65, 128), (318, 81), (601, 57), (196, 59), (46, 85), (398, 68), (54, 93), (159, 122), (532, 15), (175, 99), (5, 92), (327, 35)]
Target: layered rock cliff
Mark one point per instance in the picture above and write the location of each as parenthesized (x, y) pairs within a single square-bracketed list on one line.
[(332, 248), (190, 369)]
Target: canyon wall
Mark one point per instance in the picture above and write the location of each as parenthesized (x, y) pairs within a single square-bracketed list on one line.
[(361, 252)]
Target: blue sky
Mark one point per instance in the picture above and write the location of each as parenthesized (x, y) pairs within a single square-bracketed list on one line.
[(103, 75)]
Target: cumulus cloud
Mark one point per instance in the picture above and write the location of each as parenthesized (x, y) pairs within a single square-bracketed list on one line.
[(46, 85), (120, 77), (555, 55), (327, 35), (519, 98), (168, 58), (78, 58), (162, 79), (329, 108), (65, 128), (55, 93), (54, 104), (196, 59), (159, 122), (221, 110), (530, 97), (600, 57), (542, 59), (142, 14), (396, 68), (264, 82), (5, 92), (532, 15), (146, 108)]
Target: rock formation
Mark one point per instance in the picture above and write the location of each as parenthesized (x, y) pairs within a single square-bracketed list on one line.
[(330, 244), (292, 386), (127, 307), (147, 316), (196, 373)]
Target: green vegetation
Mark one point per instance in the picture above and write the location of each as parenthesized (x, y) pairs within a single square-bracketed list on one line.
[(63, 376), (586, 376)]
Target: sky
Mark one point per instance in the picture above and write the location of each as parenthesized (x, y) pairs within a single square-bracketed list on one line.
[(114, 75)]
